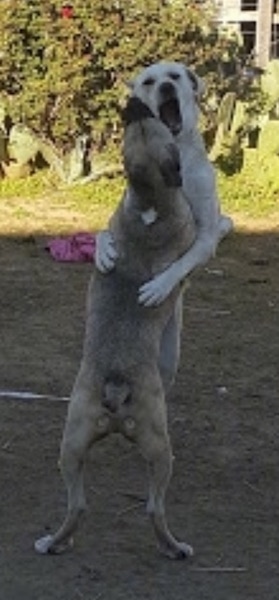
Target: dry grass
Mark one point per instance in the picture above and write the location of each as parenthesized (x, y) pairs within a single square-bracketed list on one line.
[(40, 205)]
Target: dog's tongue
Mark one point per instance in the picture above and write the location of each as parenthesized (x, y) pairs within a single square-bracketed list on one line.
[(170, 115)]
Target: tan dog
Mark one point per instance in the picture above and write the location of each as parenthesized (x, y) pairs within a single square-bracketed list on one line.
[(119, 387)]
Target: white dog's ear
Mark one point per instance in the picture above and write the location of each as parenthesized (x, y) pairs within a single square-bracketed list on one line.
[(197, 83)]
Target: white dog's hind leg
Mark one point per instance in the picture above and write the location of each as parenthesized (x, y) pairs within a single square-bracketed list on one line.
[(170, 346), (225, 226)]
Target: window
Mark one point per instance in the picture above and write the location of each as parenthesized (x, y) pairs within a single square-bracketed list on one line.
[(275, 41), (248, 31), (249, 4)]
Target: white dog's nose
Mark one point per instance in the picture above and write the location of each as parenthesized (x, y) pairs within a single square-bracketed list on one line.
[(167, 89)]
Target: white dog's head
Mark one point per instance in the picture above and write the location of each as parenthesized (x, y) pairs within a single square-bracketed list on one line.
[(171, 91)]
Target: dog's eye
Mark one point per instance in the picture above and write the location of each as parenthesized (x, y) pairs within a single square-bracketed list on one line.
[(149, 81), (174, 76)]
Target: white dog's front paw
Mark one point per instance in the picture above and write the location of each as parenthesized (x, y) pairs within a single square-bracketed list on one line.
[(105, 253), (157, 290)]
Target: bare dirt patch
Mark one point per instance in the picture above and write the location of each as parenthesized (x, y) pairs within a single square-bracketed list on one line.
[(223, 414)]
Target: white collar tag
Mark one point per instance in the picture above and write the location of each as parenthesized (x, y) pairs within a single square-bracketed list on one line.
[(149, 216)]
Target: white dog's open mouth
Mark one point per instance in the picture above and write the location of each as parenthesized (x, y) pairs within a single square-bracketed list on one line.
[(169, 112)]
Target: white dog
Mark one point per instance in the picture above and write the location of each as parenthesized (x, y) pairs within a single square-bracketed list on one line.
[(172, 92)]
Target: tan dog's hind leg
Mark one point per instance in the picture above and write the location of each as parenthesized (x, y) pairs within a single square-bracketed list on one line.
[(83, 427), (155, 447)]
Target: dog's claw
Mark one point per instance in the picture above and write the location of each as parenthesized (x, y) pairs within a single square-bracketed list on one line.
[(149, 301), (156, 290)]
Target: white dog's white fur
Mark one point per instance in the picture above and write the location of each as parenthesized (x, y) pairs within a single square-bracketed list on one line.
[(172, 91)]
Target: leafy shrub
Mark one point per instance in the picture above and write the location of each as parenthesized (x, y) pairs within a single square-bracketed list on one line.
[(63, 68), (255, 190), (268, 143)]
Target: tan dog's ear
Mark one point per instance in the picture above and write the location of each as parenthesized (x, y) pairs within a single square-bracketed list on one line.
[(197, 83)]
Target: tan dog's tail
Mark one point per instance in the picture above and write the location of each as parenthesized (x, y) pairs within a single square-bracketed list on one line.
[(117, 391)]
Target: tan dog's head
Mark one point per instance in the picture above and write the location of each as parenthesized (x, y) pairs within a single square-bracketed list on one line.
[(151, 156), (171, 91)]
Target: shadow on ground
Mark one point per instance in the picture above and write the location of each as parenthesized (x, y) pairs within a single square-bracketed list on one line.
[(223, 414)]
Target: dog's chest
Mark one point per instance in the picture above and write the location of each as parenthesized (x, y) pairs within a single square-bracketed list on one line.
[(147, 243)]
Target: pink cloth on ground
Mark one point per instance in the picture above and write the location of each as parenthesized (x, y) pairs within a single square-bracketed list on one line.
[(79, 247)]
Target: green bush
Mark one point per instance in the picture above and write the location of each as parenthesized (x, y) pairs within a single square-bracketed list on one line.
[(63, 70), (268, 143), (255, 190)]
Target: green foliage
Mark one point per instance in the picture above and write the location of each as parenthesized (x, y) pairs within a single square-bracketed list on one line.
[(269, 139), (251, 193), (255, 190), (32, 187), (23, 145), (66, 73), (231, 120), (270, 83)]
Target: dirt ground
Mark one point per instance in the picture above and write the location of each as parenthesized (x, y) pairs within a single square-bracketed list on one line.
[(223, 415)]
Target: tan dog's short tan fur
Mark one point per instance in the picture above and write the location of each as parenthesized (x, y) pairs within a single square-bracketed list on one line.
[(119, 387)]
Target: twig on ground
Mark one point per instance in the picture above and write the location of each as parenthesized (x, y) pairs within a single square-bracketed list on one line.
[(7, 445), (129, 509), (24, 395), (133, 496), (140, 500), (252, 487), (213, 313), (219, 569)]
